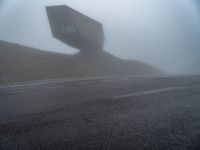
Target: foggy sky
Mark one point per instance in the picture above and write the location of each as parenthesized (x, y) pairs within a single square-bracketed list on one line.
[(162, 33)]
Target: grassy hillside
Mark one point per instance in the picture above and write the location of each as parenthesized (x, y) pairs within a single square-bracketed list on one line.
[(20, 63)]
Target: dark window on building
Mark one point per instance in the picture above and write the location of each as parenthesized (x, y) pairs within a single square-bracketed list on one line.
[(67, 28)]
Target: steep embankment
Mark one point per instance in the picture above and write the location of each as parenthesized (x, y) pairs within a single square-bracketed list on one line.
[(19, 63)]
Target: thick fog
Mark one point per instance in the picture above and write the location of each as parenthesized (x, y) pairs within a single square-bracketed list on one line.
[(162, 33)]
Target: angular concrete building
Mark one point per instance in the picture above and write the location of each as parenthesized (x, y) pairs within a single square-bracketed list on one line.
[(75, 29)]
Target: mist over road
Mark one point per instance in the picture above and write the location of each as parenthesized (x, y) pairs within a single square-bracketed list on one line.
[(101, 113)]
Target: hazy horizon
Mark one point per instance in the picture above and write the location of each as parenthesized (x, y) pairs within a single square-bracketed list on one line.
[(162, 33)]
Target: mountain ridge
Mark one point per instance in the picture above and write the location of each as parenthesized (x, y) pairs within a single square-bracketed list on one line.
[(22, 63)]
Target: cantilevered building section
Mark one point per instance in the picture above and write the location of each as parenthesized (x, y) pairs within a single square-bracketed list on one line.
[(75, 29)]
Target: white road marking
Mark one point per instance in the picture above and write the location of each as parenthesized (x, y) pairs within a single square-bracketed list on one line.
[(87, 83), (108, 80), (45, 82), (151, 92), (17, 92), (61, 80), (54, 87)]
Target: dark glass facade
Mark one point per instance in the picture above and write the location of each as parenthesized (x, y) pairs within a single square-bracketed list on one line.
[(75, 29)]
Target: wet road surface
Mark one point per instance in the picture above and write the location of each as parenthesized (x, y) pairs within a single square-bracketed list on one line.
[(130, 113)]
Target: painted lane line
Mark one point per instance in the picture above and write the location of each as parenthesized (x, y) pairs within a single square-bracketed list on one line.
[(44, 82), (87, 83), (17, 92), (54, 87), (61, 80), (153, 91)]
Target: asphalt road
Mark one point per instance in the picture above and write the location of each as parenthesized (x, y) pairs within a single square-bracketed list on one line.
[(130, 113)]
